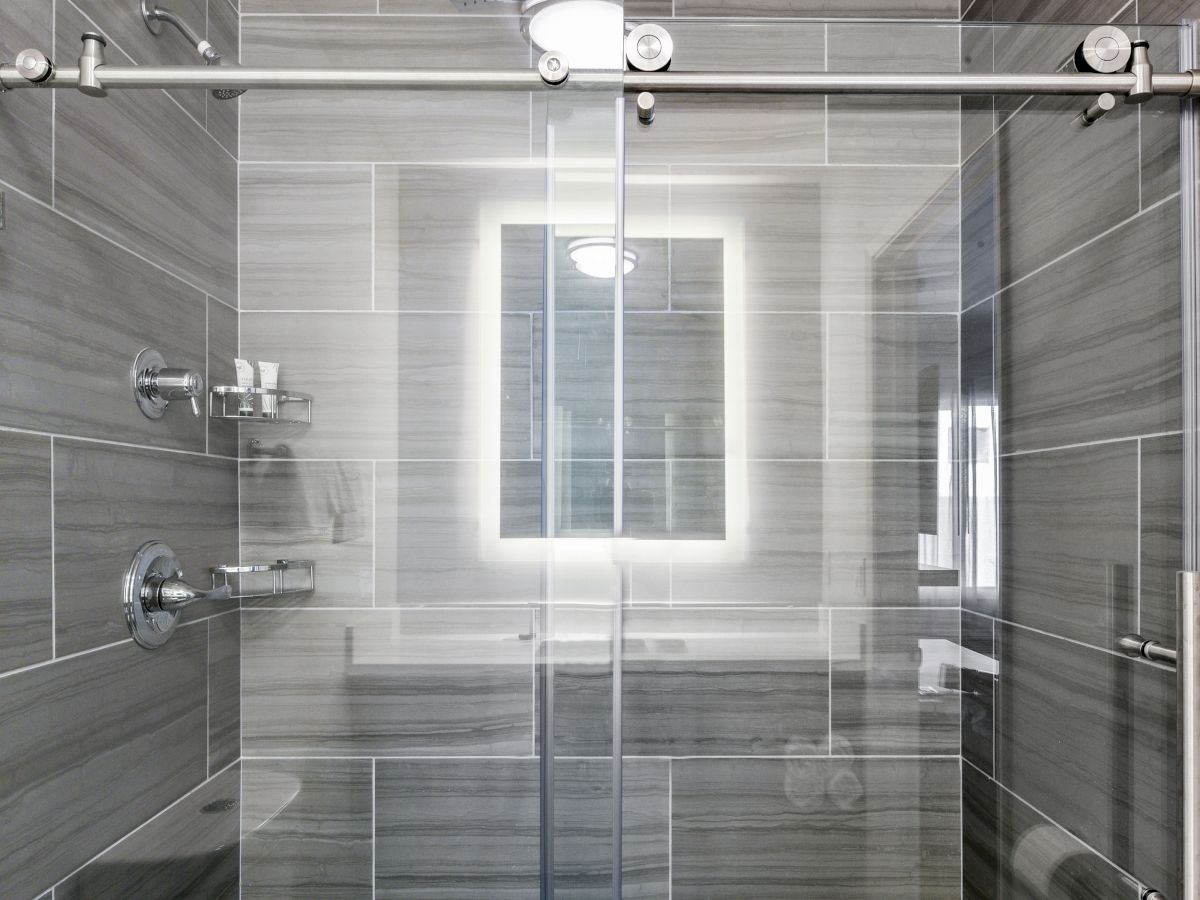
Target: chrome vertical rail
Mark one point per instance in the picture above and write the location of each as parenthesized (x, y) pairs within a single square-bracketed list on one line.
[(1188, 638), (618, 772)]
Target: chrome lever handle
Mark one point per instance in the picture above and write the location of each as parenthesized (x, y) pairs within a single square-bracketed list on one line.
[(155, 385), (162, 594)]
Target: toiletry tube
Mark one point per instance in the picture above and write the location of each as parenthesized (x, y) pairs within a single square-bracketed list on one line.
[(268, 376), (245, 381)]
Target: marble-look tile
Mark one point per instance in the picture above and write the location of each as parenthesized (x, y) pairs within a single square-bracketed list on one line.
[(978, 677), (224, 690), (680, 499), (776, 829), (981, 242), (1069, 534), (428, 240), (414, 682), (1091, 735), (224, 31), (977, 452), (174, 201), (697, 275), (978, 116), (26, 624), (674, 385), (1161, 547), (26, 117), (108, 501), (744, 129), (68, 734), (222, 348), (191, 850), (1000, 834), (824, 238), (129, 34), (894, 681), (276, 7), (785, 386), (819, 9), (891, 385), (384, 126), (1078, 359), (321, 511), (912, 130), (1081, 11), (307, 828), (836, 533), (583, 390), (1045, 204), (1166, 12), (517, 359), (305, 237), (429, 546), (77, 311), (388, 386), (469, 829)]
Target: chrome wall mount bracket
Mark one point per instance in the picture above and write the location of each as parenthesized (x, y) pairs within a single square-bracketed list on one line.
[(155, 386), (649, 48), (154, 594), (553, 68)]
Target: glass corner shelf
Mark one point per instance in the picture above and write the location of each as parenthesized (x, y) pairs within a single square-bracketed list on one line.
[(255, 405), (252, 582)]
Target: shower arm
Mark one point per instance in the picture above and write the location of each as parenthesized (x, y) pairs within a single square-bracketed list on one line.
[(153, 14), (32, 70)]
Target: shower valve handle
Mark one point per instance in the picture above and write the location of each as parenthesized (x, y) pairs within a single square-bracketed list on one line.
[(155, 385)]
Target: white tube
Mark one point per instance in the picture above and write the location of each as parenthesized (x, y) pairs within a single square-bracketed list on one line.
[(245, 381), (268, 377)]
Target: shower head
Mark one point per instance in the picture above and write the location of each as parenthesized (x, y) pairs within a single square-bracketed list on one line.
[(154, 15)]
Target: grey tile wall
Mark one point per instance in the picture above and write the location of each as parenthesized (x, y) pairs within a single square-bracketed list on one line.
[(120, 234)]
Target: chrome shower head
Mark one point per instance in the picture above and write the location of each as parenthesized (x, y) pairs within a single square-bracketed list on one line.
[(154, 15), (225, 93)]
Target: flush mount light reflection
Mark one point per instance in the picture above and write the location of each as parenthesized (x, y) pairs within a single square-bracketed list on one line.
[(589, 33), (597, 257)]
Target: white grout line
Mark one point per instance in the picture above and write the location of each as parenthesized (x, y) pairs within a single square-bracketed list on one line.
[(1083, 445), (125, 444)]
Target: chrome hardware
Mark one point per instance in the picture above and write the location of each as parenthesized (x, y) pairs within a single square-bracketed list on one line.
[(1141, 648), (154, 593), (91, 59), (154, 15), (553, 68), (34, 66), (1143, 74), (155, 386), (648, 48), (1152, 894), (249, 587), (226, 402), (645, 107), (1100, 107), (1105, 50)]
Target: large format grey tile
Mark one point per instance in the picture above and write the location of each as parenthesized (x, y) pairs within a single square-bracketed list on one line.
[(1069, 535), (430, 549), (224, 690), (838, 828), (891, 385), (191, 850), (108, 501), (307, 828), (428, 240), (26, 117), (174, 201), (384, 126), (978, 677), (824, 238), (894, 681), (820, 9), (873, 130), (1079, 360), (414, 682), (468, 829), (388, 385), (77, 311), (1082, 11), (26, 623), (977, 450), (785, 386), (674, 385), (1091, 736), (224, 30), (836, 533), (681, 499), (1000, 834), (322, 511), (736, 128), (222, 349), (305, 237), (1161, 546), (69, 735)]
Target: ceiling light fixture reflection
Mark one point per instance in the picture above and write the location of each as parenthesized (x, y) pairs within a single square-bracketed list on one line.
[(597, 257), (589, 33)]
